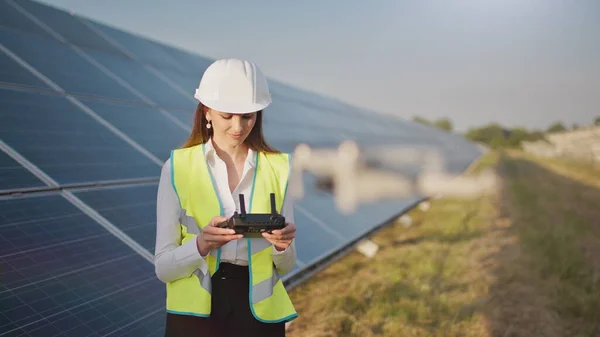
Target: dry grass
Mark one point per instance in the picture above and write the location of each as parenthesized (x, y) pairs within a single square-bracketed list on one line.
[(519, 263), (582, 172), (557, 222)]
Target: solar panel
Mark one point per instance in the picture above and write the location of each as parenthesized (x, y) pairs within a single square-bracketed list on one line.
[(184, 116), (12, 18), (15, 176), (144, 50), (131, 209), (319, 202), (127, 102), (66, 25), (311, 245), (63, 65), (66, 143), (147, 126), (12, 73), (63, 274), (134, 74), (183, 81), (193, 64)]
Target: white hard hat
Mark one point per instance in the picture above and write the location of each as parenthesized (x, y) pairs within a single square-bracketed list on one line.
[(233, 86)]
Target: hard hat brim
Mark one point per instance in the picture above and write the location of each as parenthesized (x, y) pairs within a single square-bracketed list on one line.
[(233, 108)]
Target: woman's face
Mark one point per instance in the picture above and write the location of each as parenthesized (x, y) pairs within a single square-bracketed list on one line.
[(233, 129)]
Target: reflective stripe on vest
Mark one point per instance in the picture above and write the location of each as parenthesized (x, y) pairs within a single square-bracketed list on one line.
[(194, 185)]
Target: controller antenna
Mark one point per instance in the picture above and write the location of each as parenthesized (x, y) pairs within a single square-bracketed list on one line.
[(273, 208), (242, 205)]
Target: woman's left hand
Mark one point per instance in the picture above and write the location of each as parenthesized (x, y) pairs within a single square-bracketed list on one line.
[(282, 238)]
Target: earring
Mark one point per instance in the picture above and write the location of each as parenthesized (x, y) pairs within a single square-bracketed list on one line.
[(208, 125)]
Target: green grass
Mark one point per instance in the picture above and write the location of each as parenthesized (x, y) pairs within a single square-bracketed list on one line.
[(553, 223), (519, 263)]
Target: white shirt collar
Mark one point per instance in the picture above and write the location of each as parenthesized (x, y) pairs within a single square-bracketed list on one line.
[(209, 151)]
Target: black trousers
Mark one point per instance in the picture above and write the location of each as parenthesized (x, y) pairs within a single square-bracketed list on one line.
[(230, 315)]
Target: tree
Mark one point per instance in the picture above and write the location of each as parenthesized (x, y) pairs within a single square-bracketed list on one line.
[(492, 134), (597, 121), (556, 127), (444, 124), (421, 120), (497, 136)]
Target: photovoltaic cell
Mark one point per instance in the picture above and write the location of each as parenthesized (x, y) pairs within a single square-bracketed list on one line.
[(147, 126), (151, 86), (65, 142), (13, 175), (10, 17), (310, 100), (284, 110), (312, 240), (144, 50), (63, 274), (67, 26), (63, 65), (131, 209), (280, 133), (321, 204), (11, 72), (350, 121), (185, 81), (194, 65), (186, 116)]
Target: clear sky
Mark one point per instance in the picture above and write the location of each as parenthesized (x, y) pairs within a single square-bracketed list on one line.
[(516, 62)]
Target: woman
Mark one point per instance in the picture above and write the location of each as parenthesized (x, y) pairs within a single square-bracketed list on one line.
[(220, 283)]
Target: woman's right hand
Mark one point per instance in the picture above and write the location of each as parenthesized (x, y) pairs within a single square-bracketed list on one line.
[(213, 237)]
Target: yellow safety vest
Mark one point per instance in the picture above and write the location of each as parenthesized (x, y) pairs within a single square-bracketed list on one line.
[(194, 185)]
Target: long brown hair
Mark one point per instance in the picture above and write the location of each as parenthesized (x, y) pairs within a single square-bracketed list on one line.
[(201, 134)]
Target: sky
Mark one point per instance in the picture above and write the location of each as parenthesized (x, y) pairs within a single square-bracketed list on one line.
[(523, 63)]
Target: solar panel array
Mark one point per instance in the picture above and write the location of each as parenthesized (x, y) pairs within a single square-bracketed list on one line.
[(88, 115)]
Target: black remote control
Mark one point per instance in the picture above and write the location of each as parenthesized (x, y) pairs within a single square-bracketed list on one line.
[(254, 223)]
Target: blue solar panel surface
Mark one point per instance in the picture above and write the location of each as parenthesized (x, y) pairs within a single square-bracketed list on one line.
[(86, 105), (12, 73), (15, 176), (63, 141), (147, 126), (13, 18), (62, 274), (131, 209), (64, 66)]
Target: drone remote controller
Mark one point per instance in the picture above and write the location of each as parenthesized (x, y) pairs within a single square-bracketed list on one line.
[(254, 223)]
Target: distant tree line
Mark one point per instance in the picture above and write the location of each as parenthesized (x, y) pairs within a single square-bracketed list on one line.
[(497, 136)]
